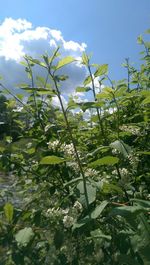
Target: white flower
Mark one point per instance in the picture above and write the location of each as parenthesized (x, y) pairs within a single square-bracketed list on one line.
[(91, 172), (53, 145), (124, 172), (78, 206), (68, 221)]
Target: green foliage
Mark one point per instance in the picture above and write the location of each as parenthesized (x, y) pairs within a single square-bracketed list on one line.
[(75, 188)]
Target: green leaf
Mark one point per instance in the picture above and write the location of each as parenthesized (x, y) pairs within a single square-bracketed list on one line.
[(147, 31), (123, 148), (85, 59), (106, 160), (108, 188), (87, 80), (91, 192), (99, 234), (128, 210), (81, 223), (102, 70), (87, 105), (141, 240), (24, 236), (9, 211), (146, 100), (104, 95), (98, 210), (52, 160), (144, 152), (127, 260), (142, 203), (65, 61), (140, 39), (83, 89)]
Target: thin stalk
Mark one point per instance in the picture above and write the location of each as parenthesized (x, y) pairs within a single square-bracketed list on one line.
[(34, 95), (97, 110), (128, 73), (117, 106), (32, 84), (72, 140), (118, 114)]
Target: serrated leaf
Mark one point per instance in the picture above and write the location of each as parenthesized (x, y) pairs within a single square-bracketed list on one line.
[(52, 160), (102, 70), (98, 210), (9, 211), (107, 160), (65, 61), (24, 236)]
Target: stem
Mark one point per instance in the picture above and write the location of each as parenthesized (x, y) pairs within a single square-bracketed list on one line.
[(72, 140), (97, 110), (34, 95), (128, 72), (118, 114)]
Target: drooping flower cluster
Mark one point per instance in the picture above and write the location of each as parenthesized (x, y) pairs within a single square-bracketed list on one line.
[(68, 215)]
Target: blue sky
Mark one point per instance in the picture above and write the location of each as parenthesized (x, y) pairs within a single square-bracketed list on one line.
[(108, 27)]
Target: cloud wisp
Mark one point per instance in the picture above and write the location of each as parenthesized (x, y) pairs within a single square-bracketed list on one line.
[(19, 37)]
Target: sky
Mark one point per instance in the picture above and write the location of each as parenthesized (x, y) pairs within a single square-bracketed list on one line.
[(106, 28)]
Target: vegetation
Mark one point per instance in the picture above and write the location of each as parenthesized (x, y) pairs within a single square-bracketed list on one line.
[(82, 182)]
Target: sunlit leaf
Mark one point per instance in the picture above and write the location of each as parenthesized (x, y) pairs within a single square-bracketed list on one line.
[(102, 70), (87, 80), (107, 160), (65, 61), (83, 89), (9, 211), (51, 160)]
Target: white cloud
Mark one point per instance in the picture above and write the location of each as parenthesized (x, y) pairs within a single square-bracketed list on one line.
[(19, 37)]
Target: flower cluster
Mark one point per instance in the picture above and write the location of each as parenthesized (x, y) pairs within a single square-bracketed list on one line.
[(53, 145), (68, 149), (68, 221), (91, 172), (52, 212), (131, 129), (73, 214), (68, 216)]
